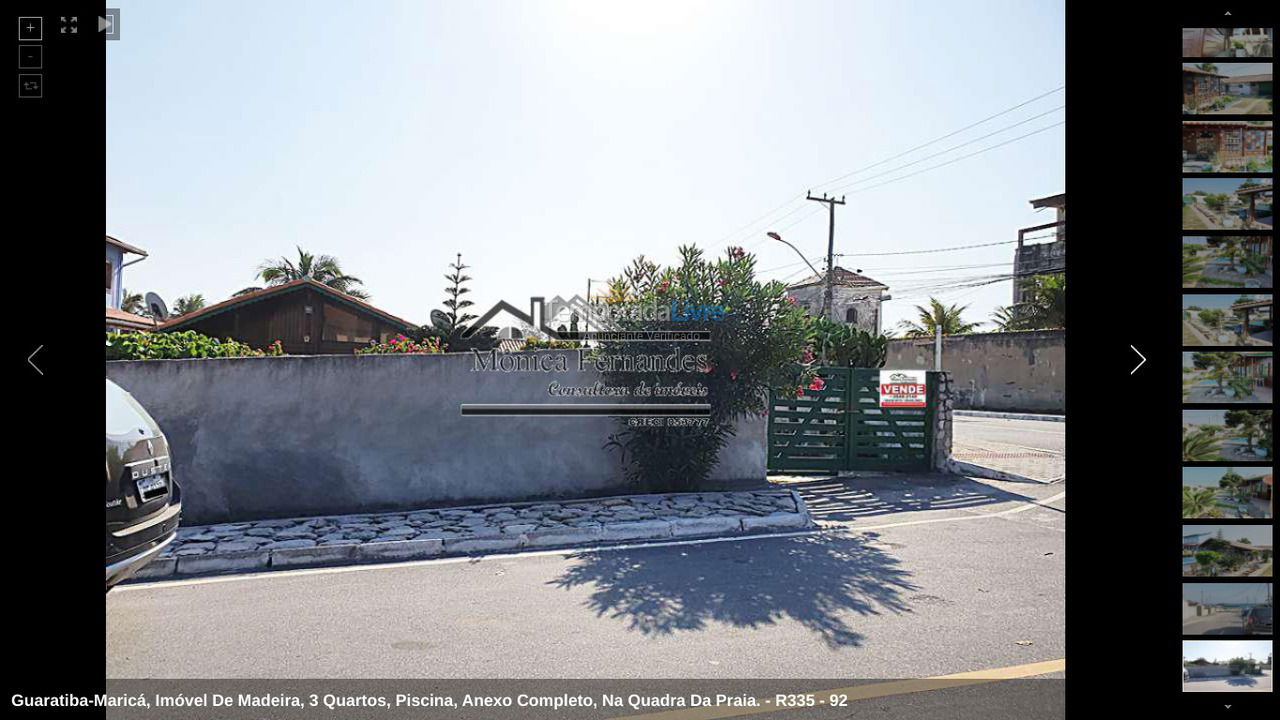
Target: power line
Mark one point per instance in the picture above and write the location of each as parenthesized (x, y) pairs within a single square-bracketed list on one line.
[(952, 161), (943, 137), (923, 252), (953, 147), (891, 158), (962, 157)]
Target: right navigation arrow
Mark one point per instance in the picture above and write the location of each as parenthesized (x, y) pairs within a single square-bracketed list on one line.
[(1140, 363)]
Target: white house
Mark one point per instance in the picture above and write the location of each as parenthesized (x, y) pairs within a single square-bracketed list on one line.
[(118, 319), (855, 298)]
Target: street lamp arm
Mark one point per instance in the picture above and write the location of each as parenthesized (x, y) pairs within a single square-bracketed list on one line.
[(778, 237)]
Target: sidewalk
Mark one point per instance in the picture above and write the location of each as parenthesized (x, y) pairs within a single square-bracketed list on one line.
[(393, 537), (1010, 415)]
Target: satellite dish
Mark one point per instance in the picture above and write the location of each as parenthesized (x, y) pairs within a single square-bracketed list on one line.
[(439, 318), (158, 309)]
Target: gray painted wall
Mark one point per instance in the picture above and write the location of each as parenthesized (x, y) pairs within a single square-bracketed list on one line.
[(275, 437), (1200, 671), (1023, 371)]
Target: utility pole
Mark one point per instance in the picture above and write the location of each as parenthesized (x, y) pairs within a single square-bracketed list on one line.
[(831, 204)]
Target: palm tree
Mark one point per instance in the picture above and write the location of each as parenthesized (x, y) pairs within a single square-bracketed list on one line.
[(1198, 502), (1005, 318), (324, 269), (132, 303), (937, 315), (188, 304), (1044, 303), (1199, 445)]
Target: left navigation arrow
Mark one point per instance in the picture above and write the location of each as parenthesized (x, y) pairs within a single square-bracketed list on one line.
[(31, 359)]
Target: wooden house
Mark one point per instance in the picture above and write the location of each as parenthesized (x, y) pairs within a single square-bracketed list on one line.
[(307, 317)]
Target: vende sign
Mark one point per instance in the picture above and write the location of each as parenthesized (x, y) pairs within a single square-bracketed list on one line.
[(902, 388)]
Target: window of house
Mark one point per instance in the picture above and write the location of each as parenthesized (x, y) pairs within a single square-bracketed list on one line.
[(851, 315), (1255, 140), (343, 325), (1231, 140), (108, 274)]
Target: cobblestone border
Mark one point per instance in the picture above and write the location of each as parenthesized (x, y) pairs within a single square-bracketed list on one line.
[(394, 537)]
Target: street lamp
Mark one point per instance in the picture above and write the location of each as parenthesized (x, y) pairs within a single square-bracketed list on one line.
[(778, 237)]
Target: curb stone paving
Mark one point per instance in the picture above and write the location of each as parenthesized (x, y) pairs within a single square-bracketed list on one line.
[(423, 534)]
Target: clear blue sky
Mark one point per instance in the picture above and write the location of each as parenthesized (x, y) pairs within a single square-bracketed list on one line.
[(1213, 185), (551, 142), (1209, 476), (1225, 592), (1222, 301), (1223, 650), (1256, 534)]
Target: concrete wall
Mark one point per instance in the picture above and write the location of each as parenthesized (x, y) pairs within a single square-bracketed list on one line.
[(1201, 671), (1023, 371), (274, 437)]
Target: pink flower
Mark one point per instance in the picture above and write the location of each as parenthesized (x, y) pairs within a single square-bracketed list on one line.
[(736, 252), (662, 286), (807, 357), (817, 383), (799, 391), (791, 300), (733, 374)]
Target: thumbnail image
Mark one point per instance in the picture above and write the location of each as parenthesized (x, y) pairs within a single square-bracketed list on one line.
[(1219, 146), (1227, 261), (1225, 492), (1226, 203), (1226, 608), (1226, 551), (1226, 89), (1242, 435), (1227, 42), (1226, 376), (1226, 666), (1230, 319)]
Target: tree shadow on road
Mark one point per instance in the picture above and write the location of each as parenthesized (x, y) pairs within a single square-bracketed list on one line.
[(847, 499), (821, 581)]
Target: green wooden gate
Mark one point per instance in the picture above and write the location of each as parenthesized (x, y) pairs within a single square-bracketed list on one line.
[(843, 427)]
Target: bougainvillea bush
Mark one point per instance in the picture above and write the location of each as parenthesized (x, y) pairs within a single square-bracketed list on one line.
[(179, 345), (401, 344), (758, 343)]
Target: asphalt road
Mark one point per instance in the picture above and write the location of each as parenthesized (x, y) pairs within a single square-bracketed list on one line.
[(909, 578), (1034, 449), (1234, 683), (1223, 623)]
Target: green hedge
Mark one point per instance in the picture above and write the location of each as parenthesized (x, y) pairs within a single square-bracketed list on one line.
[(172, 346)]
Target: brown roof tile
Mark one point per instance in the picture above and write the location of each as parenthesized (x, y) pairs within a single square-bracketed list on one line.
[(842, 277), (214, 309), (121, 319)]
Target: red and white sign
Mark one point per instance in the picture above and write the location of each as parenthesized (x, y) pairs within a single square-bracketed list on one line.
[(902, 388)]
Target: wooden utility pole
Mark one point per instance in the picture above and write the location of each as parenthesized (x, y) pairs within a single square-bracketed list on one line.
[(831, 204)]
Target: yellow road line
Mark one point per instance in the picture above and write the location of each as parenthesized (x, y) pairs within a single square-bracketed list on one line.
[(868, 691)]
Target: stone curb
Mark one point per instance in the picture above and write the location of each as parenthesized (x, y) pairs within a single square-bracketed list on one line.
[(385, 551), (959, 467), (1010, 415)]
